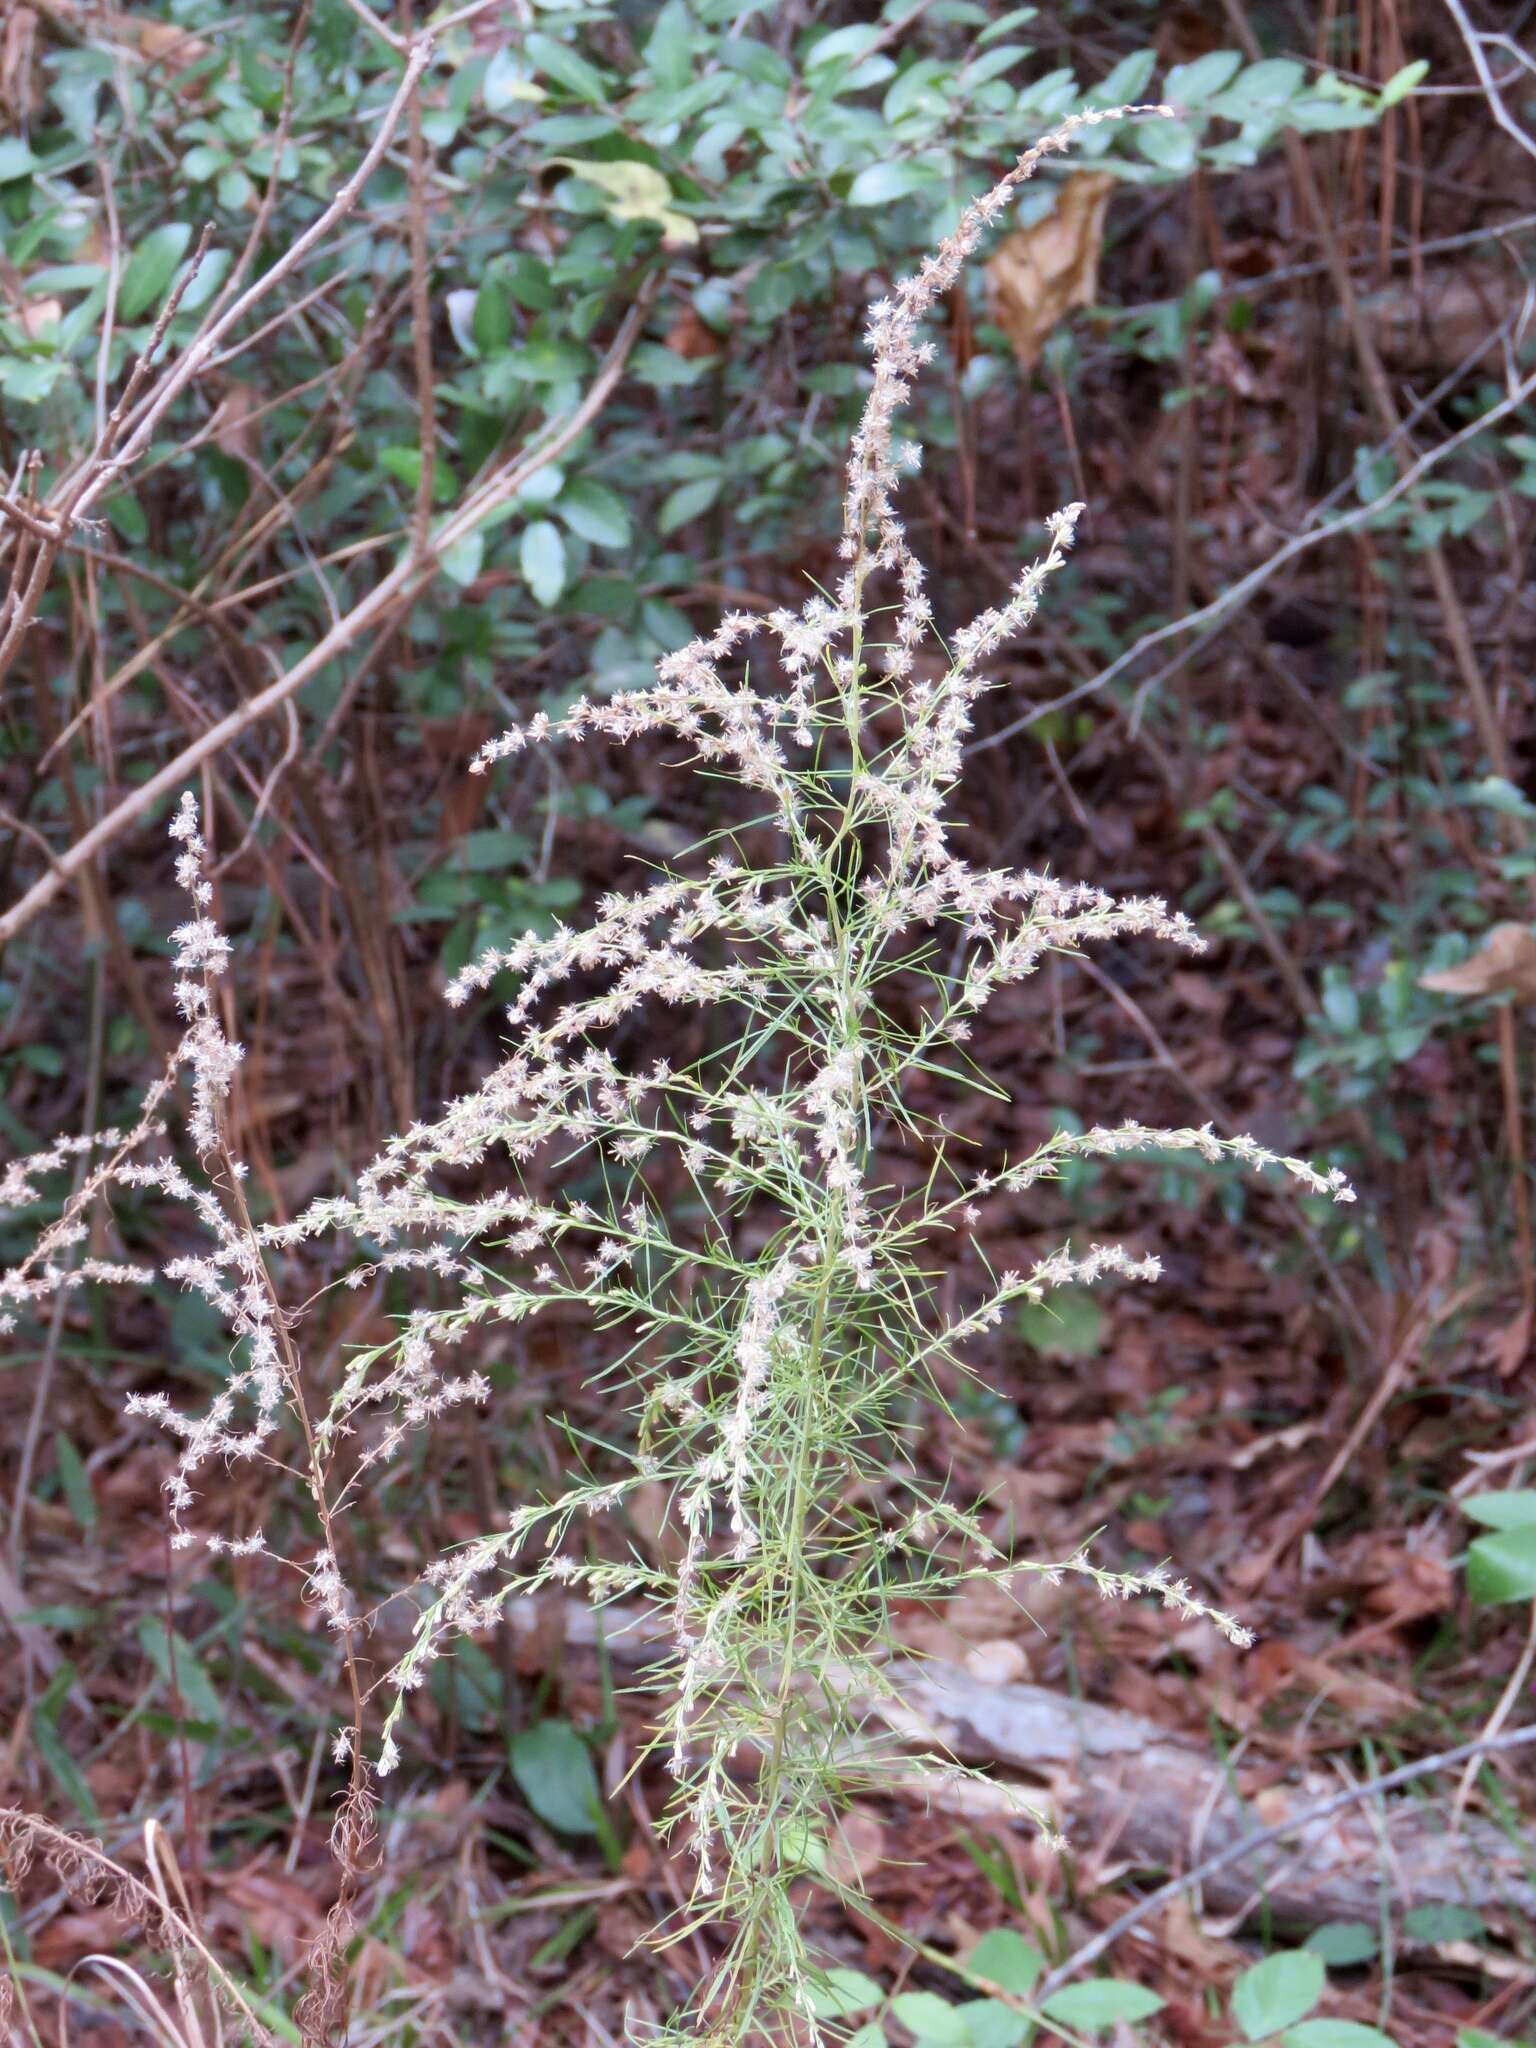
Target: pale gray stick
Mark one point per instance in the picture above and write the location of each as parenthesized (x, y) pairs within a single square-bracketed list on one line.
[(1235, 1852)]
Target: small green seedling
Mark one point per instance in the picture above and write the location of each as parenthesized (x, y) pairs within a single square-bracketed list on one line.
[(1273, 2005), (1501, 1566)]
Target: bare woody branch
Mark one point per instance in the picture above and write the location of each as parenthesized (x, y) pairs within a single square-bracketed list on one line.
[(409, 575)]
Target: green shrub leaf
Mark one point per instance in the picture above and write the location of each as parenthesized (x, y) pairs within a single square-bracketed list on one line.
[(1401, 83), (151, 268), (932, 2019), (879, 184), (687, 502), (74, 1482), (842, 1992), (1502, 1567), (1277, 1992), (1100, 2002), (1342, 1942), (16, 159), (1448, 1922), (566, 67), (1515, 1509), (595, 512), (1006, 1959), (543, 560), (991, 2024), (1187, 85), (553, 1768), (1336, 2034), (175, 1659), (1069, 1324)]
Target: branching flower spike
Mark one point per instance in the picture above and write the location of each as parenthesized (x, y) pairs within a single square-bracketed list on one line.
[(778, 1322), (757, 1232)]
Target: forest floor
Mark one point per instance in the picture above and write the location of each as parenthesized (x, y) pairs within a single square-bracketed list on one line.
[(1292, 1417)]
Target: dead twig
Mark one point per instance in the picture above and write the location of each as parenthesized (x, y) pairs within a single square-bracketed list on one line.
[(1383, 403), (1497, 1718), (408, 576), (1211, 618), (1478, 43)]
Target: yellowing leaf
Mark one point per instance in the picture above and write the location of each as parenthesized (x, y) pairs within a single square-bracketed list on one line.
[(637, 192), (1040, 273), (1504, 962)]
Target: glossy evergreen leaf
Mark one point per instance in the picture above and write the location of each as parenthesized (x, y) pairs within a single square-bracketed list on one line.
[(542, 556), (595, 513), (150, 269)]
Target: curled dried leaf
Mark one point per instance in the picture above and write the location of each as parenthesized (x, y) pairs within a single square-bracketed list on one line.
[(1505, 963), (1040, 273)]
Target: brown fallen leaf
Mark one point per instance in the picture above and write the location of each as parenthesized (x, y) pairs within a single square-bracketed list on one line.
[(1506, 1349), (159, 43), (1277, 1666), (281, 1912), (652, 1512), (162, 42), (1469, 1955), (1233, 369), (1040, 273), (235, 424), (621, 1929), (1202, 993), (690, 338), (1289, 1439), (857, 1848), (1187, 32), (1504, 963), (982, 1612), (1180, 1933)]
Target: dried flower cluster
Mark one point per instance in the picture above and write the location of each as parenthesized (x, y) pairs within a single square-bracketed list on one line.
[(775, 1316), (230, 1275), (733, 1222), (206, 1993)]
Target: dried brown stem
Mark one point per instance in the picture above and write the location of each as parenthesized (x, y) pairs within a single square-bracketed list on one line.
[(406, 579), (1209, 620)]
